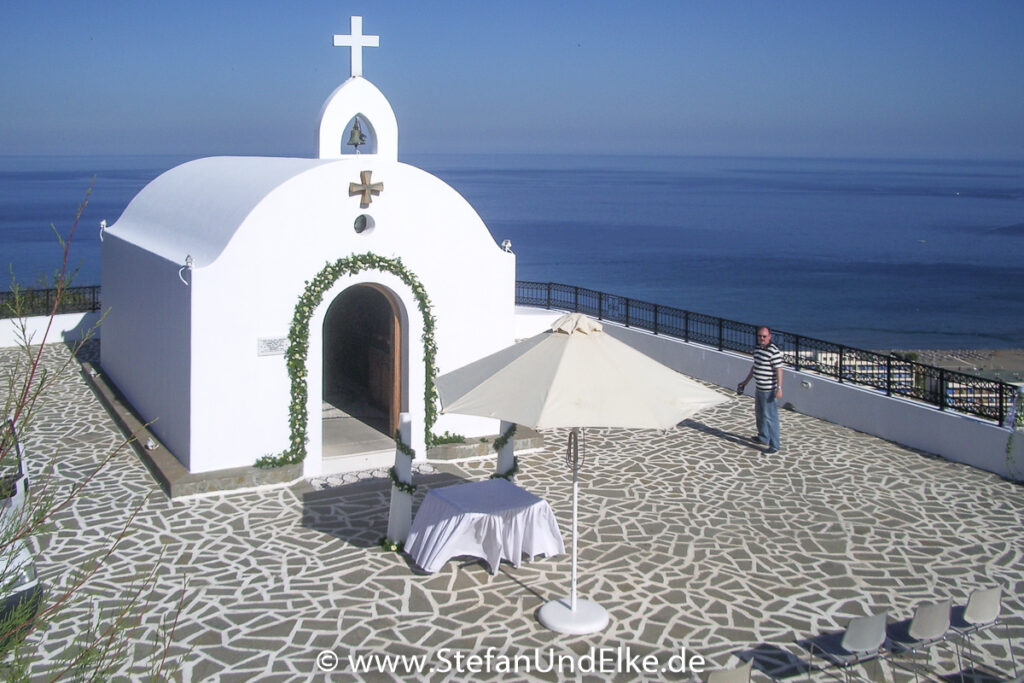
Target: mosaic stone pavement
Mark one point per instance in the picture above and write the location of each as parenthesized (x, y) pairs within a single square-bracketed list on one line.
[(690, 538)]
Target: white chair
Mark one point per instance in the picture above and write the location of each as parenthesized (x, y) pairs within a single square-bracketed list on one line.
[(981, 612), (928, 627), (861, 642), (739, 674)]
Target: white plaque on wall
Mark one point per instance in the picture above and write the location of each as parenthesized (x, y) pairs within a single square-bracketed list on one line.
[(274, 346)]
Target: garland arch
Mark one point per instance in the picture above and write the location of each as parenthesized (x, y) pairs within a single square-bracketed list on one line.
[(298, 347)]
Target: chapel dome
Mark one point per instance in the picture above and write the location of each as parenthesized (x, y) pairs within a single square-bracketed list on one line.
[(195, 208)]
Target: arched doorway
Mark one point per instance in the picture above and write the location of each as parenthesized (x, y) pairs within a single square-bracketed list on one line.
[(361, 367)]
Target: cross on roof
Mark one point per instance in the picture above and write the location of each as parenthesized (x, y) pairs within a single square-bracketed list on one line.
[(357, 41), (365, 188)]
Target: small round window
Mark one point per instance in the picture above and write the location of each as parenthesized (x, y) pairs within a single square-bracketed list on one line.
[(363, 223)]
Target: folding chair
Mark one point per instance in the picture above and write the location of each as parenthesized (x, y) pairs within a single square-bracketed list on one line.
[(928, 627), (739, 674), (981, 612), (861, 642)]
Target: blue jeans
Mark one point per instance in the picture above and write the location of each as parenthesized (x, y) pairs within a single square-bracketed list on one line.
[(766, 409)]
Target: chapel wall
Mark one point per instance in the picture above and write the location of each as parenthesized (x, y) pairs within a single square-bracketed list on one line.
[(285, 241), (239, 390), (146, 339)]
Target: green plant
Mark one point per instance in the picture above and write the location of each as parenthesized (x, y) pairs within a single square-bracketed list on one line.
[(391, 546), (104, 650), (449, 438)]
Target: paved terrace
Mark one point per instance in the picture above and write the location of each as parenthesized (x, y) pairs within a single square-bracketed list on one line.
[(691, 538)]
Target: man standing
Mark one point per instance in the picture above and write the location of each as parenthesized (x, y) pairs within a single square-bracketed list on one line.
[(767, 374)]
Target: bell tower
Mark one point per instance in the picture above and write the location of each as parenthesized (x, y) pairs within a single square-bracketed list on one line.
[(357, 118)]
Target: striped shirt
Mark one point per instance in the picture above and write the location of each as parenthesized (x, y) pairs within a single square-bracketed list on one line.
[(767, 360)]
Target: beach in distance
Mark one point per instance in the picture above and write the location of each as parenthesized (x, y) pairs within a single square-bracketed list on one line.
[(873, 253)]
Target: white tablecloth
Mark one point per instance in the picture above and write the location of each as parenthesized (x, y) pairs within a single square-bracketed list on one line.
[(494, 520)]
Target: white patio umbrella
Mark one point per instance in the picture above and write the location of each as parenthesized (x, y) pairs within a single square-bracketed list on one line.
[(571, 376)]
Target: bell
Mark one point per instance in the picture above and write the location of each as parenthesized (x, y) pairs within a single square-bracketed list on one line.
[(356, 137)]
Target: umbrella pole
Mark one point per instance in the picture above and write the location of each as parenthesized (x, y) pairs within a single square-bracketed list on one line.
[(575, 445), (572, 615)]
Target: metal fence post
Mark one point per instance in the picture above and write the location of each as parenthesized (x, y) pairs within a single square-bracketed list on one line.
[(942, 389), (655, 330), (627, 312), (720, 333), (600, 305), (796, 351)]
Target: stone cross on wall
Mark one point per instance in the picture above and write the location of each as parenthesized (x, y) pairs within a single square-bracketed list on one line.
[(365, 188), (356, 42)]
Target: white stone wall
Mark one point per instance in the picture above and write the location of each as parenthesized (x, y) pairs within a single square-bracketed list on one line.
[(66, 327), (146, 348), (954, 436)]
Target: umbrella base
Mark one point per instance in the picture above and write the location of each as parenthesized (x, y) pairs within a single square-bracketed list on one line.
[(589, 616)]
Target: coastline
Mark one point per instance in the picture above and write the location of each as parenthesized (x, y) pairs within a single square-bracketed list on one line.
[(1006, 365)]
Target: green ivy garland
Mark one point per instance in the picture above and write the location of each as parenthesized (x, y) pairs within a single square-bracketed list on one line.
[(399, 484), (513, 471), (403, 447), (407, 450), (298, 347), (498, 444), (410, 488)]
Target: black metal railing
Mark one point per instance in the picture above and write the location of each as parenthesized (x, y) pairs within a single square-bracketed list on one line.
[(944, 389), (35, 302)]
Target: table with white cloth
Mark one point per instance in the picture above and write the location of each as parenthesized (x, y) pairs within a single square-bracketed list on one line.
[(494, 520)]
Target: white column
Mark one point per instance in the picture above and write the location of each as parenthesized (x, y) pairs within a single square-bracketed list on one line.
[(416, 438), (506, 456), (400, 514)]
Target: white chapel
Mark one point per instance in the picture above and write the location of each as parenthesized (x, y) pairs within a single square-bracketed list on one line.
[(245, 292)]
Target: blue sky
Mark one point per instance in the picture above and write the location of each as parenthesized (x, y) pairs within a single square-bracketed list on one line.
[(816, 78)]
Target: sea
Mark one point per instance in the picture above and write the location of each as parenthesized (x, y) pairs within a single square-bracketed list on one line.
[(872, 253)]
